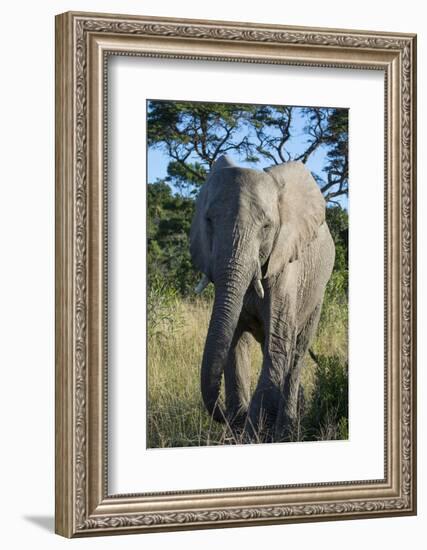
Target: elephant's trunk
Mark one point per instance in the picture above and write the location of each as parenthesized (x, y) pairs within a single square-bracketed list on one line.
[(230, 289)]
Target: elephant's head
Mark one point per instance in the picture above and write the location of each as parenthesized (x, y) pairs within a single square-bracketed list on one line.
[(247, 227)]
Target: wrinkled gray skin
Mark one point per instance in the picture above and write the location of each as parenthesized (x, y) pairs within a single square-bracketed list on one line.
[(262, 239)]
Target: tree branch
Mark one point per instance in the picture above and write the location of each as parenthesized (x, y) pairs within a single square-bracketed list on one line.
[(317, 132), (286, 132), (217, 150), (182, 162)]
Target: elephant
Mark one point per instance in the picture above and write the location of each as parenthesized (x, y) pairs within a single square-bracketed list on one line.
[(260, 236)]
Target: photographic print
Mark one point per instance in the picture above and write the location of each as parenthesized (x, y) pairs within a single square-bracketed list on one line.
[(247, 273)]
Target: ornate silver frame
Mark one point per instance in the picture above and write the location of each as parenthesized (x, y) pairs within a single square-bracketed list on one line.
[(83, 42)]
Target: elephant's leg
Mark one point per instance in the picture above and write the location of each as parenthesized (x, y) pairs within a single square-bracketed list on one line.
[(237, 378), (287, 428), (265, 402), (278, 356)]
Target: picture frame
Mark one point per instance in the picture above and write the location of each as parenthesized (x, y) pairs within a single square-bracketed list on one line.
[(84, 42)]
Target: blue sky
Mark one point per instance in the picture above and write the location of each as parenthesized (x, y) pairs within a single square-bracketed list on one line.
[(158, 160)]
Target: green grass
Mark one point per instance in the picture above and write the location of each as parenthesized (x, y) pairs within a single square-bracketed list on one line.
[(176, 415)]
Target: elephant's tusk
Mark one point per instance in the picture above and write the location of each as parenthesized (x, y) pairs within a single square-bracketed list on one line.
[(259, 289), (202, 284)]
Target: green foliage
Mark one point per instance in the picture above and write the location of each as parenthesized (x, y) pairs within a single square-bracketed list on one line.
[(327, 416), (168, 227), (186, 177), (337, 220)]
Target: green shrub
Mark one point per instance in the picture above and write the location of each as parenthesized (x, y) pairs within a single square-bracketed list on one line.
[(327, 415)]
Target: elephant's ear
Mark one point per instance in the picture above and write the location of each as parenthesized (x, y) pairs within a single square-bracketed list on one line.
[(200, 245), (301, 210)]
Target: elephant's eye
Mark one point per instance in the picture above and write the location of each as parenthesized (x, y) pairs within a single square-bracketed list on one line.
[(266, 226)]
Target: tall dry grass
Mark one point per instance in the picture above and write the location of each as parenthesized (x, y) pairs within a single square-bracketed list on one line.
[(177, 331)]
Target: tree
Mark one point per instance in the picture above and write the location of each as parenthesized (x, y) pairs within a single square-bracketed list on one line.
[(337, 169), (169, 219), (325, 127), (194, 135), (274, 132)]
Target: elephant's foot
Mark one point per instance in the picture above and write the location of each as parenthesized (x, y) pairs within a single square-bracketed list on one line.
[(289, 428), (289, 420), (262, 415)]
